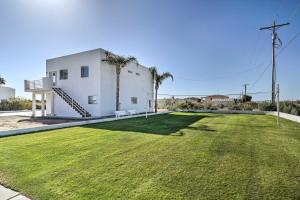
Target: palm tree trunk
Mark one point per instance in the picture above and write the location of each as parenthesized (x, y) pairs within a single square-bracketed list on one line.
[(156, 89), (118, 71)]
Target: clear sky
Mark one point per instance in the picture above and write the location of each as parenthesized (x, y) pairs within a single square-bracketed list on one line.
[(211, 46)]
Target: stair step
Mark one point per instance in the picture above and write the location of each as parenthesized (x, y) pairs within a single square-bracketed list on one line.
[(71, 101)]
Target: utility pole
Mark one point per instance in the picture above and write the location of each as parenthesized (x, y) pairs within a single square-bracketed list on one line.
[(273, 28), (245, 86)]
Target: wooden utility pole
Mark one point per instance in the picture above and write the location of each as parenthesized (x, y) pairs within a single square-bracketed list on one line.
[(245, 87), (273, 28)]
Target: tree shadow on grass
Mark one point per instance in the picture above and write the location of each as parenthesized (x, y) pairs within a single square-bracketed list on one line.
[(166, 124)]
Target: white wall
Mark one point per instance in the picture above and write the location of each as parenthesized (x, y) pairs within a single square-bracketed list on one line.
[(75, 86), (6, 93), (100, 83), (131, 85)]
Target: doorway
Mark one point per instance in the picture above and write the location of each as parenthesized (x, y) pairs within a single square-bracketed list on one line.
[(53, 76)]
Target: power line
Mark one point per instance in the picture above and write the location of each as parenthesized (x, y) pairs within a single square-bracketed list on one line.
[(224, 77), (280, 51), (204, 95), (294, 12), (288, 43)]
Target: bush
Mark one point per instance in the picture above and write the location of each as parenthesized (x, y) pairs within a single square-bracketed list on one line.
[(234, 106), (248, 107), (188, 105), (290, 107), (267, 106), (15, 104), (294, 111), (287, 108), (207, 105)]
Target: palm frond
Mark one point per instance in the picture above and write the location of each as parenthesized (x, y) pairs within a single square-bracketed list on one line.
[(164, 76), (118, 60)]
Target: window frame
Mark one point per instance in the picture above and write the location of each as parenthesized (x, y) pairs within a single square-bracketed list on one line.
[(62, 74), (82, 71), (134, 100), (92, 101)]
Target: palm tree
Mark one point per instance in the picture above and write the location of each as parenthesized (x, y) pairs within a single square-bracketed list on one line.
[(158, 79), (2, 81), (119, 62)]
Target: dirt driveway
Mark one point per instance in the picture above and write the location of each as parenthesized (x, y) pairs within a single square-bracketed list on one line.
[(17, 121)]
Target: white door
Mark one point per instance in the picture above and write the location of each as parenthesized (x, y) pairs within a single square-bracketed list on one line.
[(53, 75)]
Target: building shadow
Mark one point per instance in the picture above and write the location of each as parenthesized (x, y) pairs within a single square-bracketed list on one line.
[(165, 124)]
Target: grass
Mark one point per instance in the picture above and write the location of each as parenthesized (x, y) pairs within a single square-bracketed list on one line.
[(172, 156)]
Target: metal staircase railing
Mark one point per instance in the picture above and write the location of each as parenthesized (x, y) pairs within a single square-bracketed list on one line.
[(71, 102)]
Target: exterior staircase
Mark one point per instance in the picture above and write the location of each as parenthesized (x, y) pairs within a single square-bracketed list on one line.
[(71, 102)]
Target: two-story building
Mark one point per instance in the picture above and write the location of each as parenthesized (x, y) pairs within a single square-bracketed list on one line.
[(83, 85)]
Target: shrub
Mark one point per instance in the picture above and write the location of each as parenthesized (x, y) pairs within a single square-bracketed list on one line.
[(234, 106), (248, 107), (287, 108), (188, 105), (221, 106), (15, 104), (294, 111), (266, 106), (207, 105)]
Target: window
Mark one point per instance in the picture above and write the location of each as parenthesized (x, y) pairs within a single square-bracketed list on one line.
[(63, 74), (92, 99), (134, 100), (138, 74), (149, 103), (84, 71), (129, 71)]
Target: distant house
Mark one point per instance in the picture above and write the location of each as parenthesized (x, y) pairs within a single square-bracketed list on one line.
[(6, 93), (217, 100), (83, 85)]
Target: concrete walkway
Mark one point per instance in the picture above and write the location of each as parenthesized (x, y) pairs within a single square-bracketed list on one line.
[(8, 194)]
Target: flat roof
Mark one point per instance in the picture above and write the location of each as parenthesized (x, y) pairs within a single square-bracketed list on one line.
[(87, 51)]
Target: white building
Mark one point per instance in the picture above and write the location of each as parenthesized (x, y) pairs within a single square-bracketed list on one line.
[(6, 93), (82, 85)]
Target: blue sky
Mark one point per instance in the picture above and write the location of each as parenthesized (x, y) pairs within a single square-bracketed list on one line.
[(210, 46)]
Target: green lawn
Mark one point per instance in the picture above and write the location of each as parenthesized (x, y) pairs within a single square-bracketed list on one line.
[(172, 156)]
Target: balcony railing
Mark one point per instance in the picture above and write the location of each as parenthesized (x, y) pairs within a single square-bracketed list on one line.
[(43, 84)]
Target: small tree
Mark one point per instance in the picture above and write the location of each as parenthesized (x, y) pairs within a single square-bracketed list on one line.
[(158, 79)]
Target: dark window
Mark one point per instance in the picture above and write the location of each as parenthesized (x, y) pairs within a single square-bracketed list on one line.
[(84, 71), (63, 74), (129, 71), (92, 99), (134, 100), (138, 74)]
